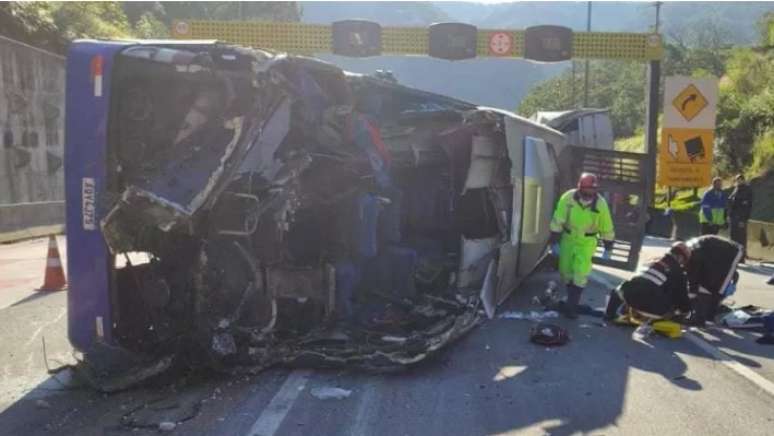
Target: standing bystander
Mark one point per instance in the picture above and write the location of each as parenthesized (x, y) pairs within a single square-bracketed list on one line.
[(712, 212), (739, 208)]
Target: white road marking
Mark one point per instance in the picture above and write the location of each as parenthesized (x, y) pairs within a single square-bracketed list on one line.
[(732, 364), (602, 280), (365, 410), (41, 328), (272, 416)]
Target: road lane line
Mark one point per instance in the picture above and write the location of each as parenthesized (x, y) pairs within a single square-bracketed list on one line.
[(44, 326), (752, 376), (272, 416), (365, 410), (604, 281)]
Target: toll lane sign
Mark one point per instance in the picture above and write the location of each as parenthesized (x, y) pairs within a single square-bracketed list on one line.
[(685, 157), (688, 135)]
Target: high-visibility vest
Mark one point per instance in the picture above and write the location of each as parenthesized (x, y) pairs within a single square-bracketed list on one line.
[(713, 208), (577, 220)]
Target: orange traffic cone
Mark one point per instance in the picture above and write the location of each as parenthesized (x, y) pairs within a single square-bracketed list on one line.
[(55, 277)]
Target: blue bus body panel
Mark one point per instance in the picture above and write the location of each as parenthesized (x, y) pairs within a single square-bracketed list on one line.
[(88, 260)]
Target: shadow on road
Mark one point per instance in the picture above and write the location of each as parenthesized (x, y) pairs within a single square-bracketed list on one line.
[(32, 297)]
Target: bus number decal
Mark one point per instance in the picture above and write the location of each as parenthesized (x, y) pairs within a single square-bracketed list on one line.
[(88, 193)]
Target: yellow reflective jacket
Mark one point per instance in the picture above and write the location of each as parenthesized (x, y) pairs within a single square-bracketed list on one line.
[(577, 220)]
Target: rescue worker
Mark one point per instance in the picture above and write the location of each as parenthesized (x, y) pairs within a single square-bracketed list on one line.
[(739, 209), (711, 274), (581, 218), (712, 212), (658, 290)]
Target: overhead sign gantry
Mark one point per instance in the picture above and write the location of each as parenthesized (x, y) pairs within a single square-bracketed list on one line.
[(453, 41)]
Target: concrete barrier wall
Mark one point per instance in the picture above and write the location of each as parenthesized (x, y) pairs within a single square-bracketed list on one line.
[(760, 240), (31, 124), (680, 225), (32, 83), (685, 225), (28, 220)]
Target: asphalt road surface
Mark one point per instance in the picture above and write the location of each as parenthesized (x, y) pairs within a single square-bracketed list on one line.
[(494, 381)]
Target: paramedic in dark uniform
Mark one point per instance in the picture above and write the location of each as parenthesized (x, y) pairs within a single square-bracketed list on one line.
[(658, 290), (711, 274)]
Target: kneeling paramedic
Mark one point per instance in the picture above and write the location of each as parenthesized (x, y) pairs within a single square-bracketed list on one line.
[(712, 274), (581, 218), (658, 290)]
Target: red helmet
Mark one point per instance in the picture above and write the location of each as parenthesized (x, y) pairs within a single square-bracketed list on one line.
[(588, 181)]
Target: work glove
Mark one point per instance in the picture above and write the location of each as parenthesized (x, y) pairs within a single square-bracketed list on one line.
[(555, 249), (730, 290), (608, 250)]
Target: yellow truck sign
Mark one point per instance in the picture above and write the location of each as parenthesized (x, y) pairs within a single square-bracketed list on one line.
[(686, 151)]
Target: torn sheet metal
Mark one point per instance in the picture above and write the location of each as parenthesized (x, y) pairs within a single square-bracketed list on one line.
[(488, 290), (476, 255), (485, 158)]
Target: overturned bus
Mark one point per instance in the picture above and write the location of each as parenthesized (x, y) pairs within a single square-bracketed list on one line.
[(238, 208)]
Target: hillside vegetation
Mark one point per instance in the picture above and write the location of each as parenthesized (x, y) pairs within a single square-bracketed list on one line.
[(52, 25)]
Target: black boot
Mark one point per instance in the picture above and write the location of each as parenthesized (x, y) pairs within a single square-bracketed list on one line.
[(614, 303), (571, 304)]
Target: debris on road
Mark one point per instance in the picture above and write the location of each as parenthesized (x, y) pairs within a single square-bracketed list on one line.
[(164, 414), (330, 393), (42, 404), (548, 334), (531, 316), (167, 426), (643, 331), (746, 317)]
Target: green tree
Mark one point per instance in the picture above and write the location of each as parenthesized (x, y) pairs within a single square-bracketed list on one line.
[(746, 107), (33, 23), (148, 26), (91, 20), (51, 25), (166, 12), (619, 86)]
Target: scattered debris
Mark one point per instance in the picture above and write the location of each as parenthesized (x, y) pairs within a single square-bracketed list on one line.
[(167, 426), (164, 414), (330, 393), (643, 331), (548, 334), (531, 316), (42, 404)]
